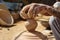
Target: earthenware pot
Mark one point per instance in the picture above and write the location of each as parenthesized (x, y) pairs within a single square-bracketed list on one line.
[(31, 25), (6, 18)]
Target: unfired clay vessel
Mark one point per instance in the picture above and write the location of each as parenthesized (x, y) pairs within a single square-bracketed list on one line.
[(6, 18)]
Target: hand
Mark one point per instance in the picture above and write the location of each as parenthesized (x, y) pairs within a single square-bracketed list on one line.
[(31, 10)]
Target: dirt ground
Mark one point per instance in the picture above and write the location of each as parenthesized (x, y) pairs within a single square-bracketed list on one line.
[(10, 33)]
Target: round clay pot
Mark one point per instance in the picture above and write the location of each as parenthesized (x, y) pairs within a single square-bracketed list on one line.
[(5, 18), (31, 25)]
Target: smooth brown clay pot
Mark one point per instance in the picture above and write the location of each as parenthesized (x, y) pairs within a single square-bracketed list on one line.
[(31, 25), (5, 18)]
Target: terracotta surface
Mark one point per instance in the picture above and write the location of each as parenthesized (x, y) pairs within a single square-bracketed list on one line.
[(31, 24), (6, 18)]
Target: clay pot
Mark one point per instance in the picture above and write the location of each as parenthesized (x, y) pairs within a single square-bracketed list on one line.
[(5, 18), (31, 25)]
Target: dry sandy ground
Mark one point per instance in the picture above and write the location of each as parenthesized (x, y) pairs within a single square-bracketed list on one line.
[(9, 33)]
